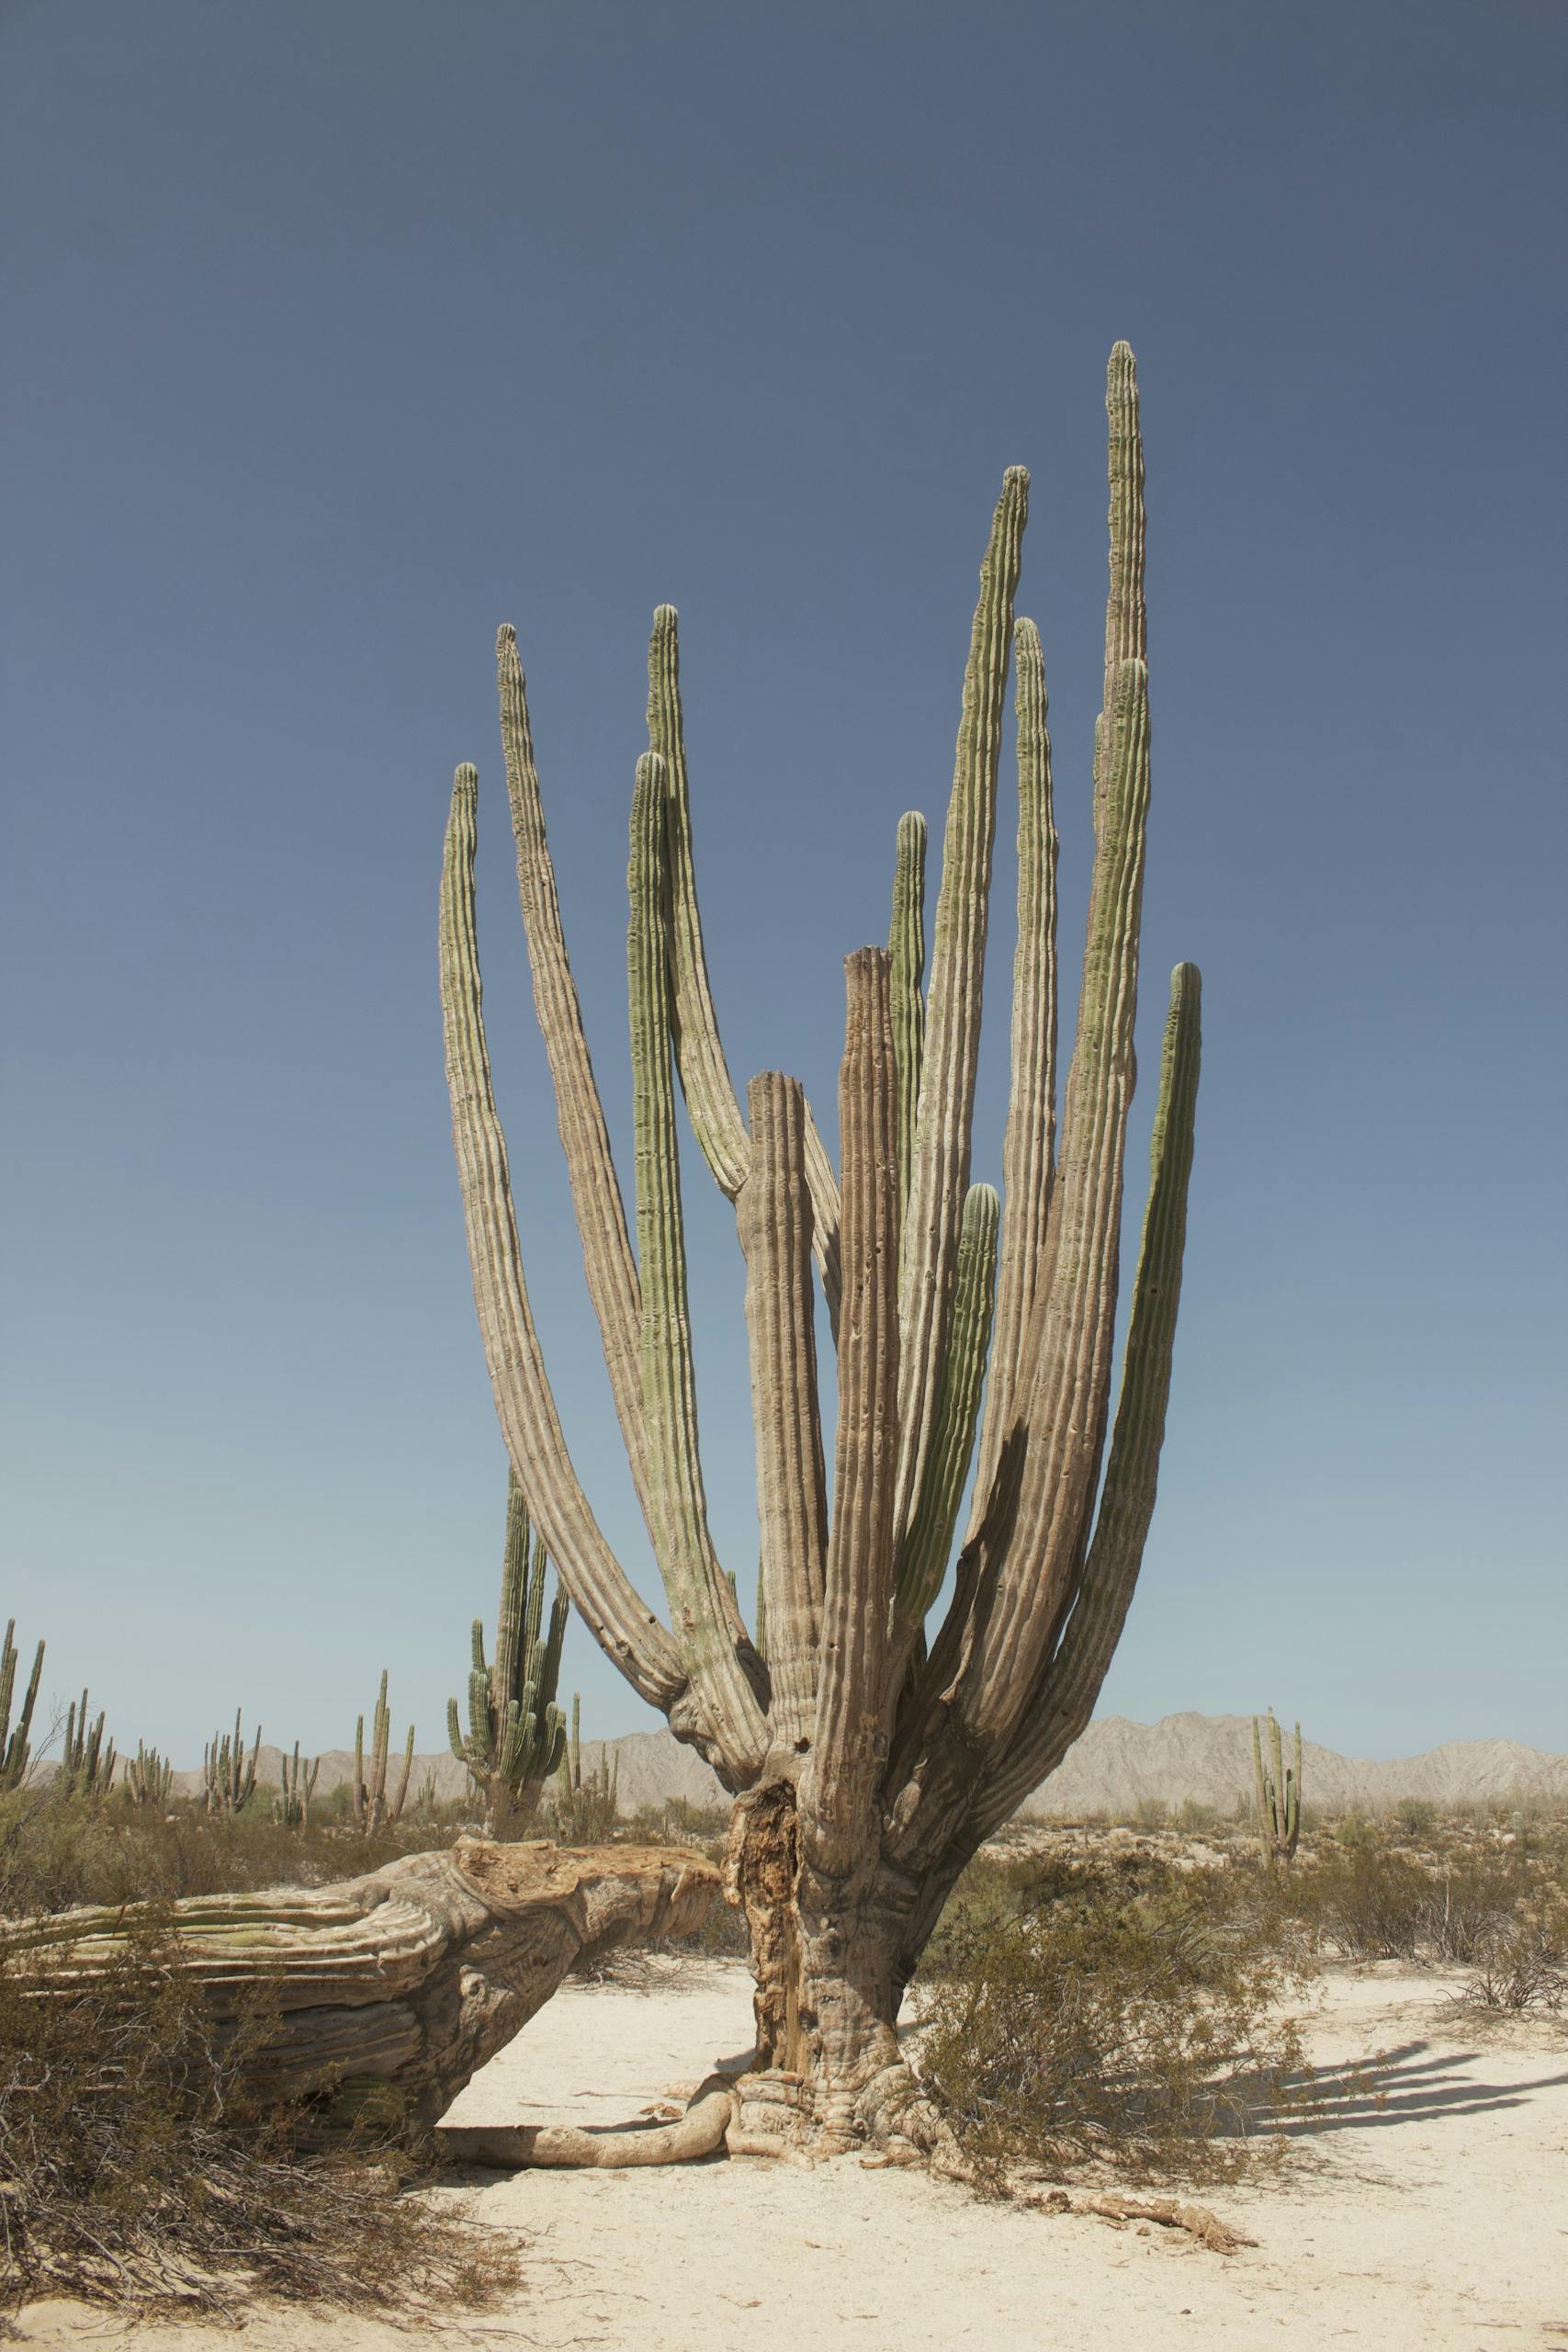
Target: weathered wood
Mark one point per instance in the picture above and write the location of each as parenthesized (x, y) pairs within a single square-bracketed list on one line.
[(401, 1983)]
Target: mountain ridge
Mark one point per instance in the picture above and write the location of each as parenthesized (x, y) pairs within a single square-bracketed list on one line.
[(1117, 1766)]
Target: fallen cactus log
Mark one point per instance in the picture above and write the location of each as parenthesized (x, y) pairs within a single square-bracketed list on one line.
[(393, 1989)]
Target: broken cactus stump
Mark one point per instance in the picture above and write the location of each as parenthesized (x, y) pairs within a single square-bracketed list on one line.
[(393, 1989)]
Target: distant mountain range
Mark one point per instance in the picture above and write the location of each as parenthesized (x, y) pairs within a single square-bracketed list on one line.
[(1114, 1768)]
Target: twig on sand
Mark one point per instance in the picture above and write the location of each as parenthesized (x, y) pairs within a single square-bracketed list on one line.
[(1171, 2214)]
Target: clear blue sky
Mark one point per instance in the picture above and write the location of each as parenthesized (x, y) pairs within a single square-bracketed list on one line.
[(338, 335)]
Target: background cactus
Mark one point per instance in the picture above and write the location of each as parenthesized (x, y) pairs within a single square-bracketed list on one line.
[(16, 1745), (228, 1775), (371, 1803), (86, 1765), (1279, 1790), (870, 1752), (584, 1812), (146, 1779), (516, 1734), (297, 1786)]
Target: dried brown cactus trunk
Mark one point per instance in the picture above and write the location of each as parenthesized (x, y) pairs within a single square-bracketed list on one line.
[(399, 1985), (870, 1753)]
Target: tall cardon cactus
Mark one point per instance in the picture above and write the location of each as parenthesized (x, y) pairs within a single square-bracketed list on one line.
[(228, 1775), (875, 1747), (87, 1762), (1277, 1786), (516, 1734), (367, 1790), (16, 1745)]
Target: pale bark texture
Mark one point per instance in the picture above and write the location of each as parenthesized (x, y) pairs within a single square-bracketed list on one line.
[(871, 1746), (399, 1985)]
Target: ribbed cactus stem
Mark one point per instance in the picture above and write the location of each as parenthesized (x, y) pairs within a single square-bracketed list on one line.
[(16, 1744), (940, 1173), (924, 1554), (712, 1105), (702, 1606), (906, 946)]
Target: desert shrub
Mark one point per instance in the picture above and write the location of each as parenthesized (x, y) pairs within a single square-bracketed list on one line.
[(138, 2170), (1194, 1815), (1523, 1964), (1368, 1899), (1415, 1816), (1122, 2014), (57, 1850)]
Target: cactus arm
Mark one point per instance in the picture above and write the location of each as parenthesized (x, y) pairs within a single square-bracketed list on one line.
[(516, 1622), (940, 1170), (774, 1216), (922, 1560), (576, 1740), (710, 1102), (702, 1606), (1293, 1813), (560, 1612), (7, 1679), (907, 945), (1260, 1793), (625, 1628), (1037, 1552), (396, 1812), (585, 1139), (836, 1811), (1104, 1591), (1126, 624), (17, 1743), (1029, 1141)]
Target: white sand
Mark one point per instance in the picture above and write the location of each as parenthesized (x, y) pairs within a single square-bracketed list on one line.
[(1438, 2219)]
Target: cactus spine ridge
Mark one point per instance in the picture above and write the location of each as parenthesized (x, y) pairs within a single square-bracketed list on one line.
[(907, 945)]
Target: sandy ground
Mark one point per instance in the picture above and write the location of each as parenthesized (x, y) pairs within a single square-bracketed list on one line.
[(1437, 2218)]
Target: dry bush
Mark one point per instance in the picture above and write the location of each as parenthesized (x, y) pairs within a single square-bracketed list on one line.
[(1369, 1900), (1523, 1966), (1125, 2015), (136, 2169)]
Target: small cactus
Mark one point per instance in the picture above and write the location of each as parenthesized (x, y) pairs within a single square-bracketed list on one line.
[(86, 1766), (371, 1805), (15, 1748), (516, 1733), (1278, 1794), (147, 1778), (228, 1775), (291, 1806)]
